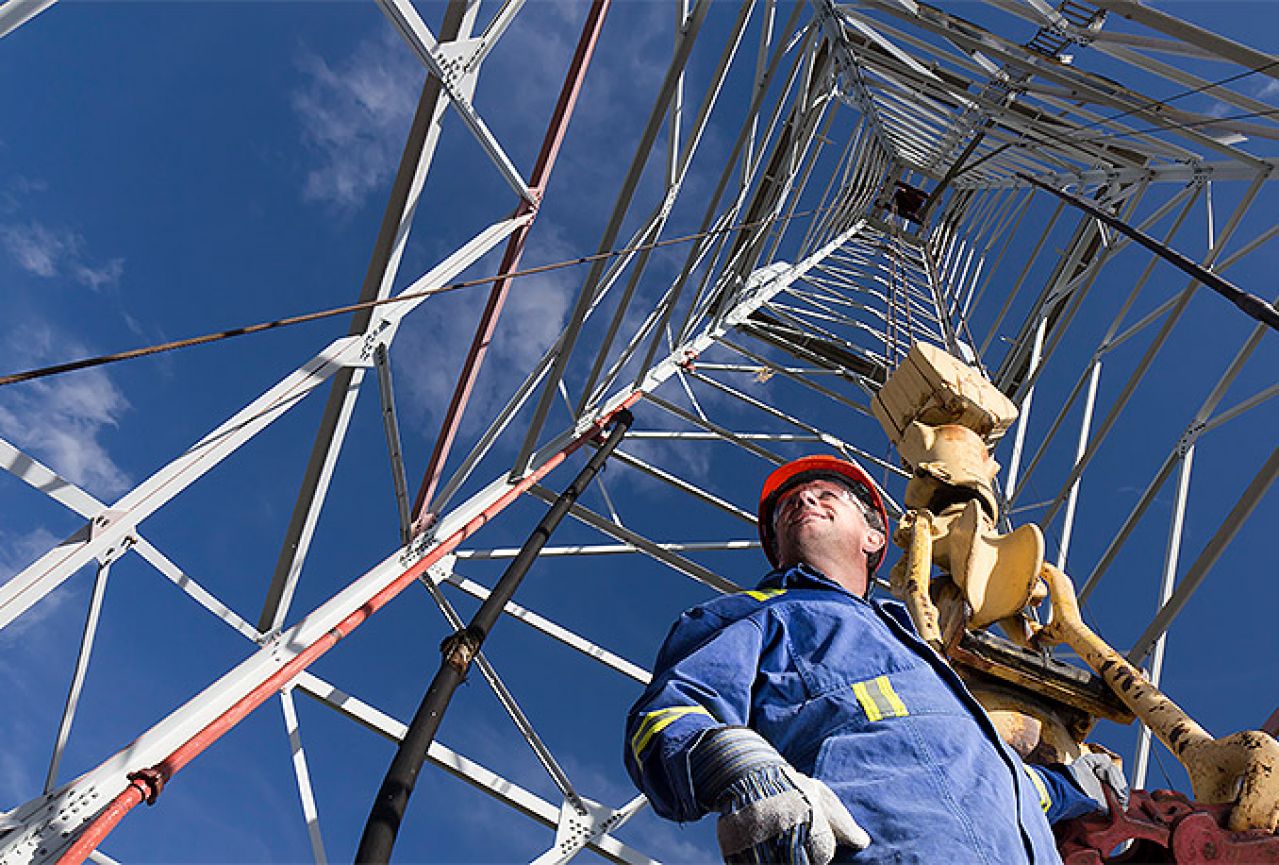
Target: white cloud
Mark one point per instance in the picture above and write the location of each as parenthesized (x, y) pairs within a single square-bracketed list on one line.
[(29, 674), (97, 277), (49, 252), (355, 114), (20, 186), (18, 551), (36, 248), (1218, 109), (61, 419), (1270, 88)]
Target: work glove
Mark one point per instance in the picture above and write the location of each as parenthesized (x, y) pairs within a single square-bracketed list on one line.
[(1093, 773), (769, 811)]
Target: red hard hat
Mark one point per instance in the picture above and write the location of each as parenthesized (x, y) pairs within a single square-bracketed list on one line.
[(813, 468)]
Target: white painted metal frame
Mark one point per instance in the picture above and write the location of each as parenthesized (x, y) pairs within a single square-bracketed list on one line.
[(925, 98)]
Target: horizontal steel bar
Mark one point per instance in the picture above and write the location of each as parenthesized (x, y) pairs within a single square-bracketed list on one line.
[(555, 631), (612, 549), (677, 562)]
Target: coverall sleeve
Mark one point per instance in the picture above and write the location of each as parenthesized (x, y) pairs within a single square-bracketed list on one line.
[(702, 680), (1059, 796)]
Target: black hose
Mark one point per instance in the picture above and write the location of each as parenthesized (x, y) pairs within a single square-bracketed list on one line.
[(458, 651), (1249, 304)]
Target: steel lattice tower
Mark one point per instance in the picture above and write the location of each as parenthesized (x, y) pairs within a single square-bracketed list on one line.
[(843, 180)]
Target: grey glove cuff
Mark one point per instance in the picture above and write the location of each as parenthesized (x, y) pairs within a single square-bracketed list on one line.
[(725, 756), (1094, 772)]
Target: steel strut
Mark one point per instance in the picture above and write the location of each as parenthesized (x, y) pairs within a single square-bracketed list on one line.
[(146, 784), (458, 651), (423, 517)]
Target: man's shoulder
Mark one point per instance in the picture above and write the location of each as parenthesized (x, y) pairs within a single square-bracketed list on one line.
[(711, 619), (759, 603), (737, 605)]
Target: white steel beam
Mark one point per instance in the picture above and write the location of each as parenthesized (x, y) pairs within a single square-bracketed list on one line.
[(546, 626), (379, 279), (612, 549), (1175, 172), (106, 533), (303, 777), (15, 13), (679, 483), (457, 77), (1227, 49), (68, 494), (443, 757), (50, 823), (81, 668), (1172, 553), (438, 573), (114, 529), (1212, 551)]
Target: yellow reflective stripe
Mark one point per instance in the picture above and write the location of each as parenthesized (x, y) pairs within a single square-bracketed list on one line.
[(878, 699), (656, 722), (886, 688), (868, 703), (1045, 801), (762, 595)]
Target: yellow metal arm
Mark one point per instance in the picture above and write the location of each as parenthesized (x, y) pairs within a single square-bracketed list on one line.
[(911, 575), (1242, 769)]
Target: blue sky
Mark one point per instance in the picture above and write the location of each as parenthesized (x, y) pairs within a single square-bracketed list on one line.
[(174, 168)]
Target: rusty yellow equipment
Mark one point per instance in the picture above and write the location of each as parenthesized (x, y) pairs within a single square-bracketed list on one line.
[(944, 417)]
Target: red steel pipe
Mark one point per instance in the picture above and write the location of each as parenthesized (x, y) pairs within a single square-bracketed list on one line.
[(555, 131), (145, 785)]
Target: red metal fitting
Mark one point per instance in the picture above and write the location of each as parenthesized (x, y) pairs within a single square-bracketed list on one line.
[(1164, 828), (149, 782)]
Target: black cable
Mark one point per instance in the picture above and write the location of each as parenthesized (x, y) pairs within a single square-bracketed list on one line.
[(1070, 137), (101, 360), (1212, 85), (1172, 127), (458, 651), (1250, 304)]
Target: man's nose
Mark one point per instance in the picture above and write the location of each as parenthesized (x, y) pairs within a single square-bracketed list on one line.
[(802, 497)]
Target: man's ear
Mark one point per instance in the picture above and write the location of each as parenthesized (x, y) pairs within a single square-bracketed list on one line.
[(873, 541)]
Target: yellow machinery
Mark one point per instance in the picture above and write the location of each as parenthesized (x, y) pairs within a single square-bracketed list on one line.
[(945, 417)]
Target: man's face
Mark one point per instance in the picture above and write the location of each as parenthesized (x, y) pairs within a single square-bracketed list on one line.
[(821, 518)]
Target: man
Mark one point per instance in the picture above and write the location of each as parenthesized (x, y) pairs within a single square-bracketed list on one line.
[(820, 726)]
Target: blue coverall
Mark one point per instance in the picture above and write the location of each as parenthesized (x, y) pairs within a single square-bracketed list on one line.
[(849, 694)]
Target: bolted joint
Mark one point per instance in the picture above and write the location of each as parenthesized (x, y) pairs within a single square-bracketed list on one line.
[(149, 782), (623, 417), (1200, 173), (461, 647), (1189, 438)]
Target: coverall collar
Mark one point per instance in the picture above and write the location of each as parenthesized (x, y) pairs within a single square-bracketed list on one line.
[(803, 576)]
